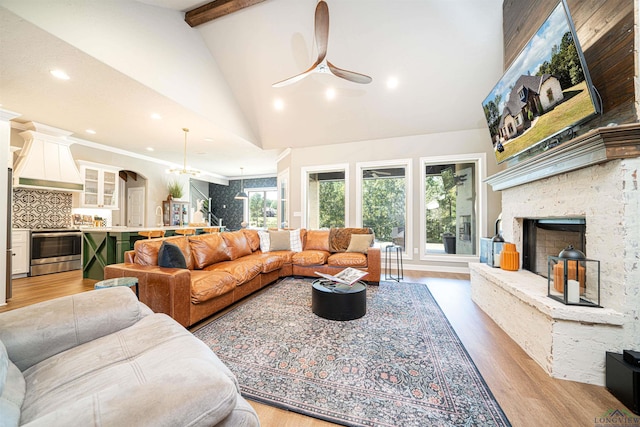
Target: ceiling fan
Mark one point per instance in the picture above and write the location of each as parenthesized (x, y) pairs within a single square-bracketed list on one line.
[(322, 65)]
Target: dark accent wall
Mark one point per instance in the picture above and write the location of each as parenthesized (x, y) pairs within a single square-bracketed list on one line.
[(605, 31), (229, 209)]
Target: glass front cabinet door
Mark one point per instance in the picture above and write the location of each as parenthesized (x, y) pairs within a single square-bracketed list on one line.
[(100, 186)]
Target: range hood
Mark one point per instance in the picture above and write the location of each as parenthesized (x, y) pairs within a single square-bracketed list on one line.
[(45, 161)]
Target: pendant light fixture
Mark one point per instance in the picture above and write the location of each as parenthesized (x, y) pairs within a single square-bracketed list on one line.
[(241, 195), (184, 170)]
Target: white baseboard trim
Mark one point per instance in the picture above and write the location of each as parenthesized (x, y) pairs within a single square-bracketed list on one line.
[(437, 268)]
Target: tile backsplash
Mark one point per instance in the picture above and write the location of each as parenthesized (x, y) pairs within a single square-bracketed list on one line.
[(41, 209)]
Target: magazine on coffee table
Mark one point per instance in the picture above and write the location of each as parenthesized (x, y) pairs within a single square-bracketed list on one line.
[(348, 276)]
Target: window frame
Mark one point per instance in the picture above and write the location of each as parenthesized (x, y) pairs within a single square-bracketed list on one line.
[(283, 180), (304, 174), (481, 203), (247, 202), (408, 228)]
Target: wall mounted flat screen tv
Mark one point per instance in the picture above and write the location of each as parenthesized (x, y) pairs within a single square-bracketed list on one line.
[(544, 95)]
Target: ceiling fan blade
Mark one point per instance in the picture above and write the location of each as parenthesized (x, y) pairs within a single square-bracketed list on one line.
[(322, 29), (349, 75), (298, 77)]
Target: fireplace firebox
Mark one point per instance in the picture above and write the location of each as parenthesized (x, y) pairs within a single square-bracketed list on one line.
[(549, 236)]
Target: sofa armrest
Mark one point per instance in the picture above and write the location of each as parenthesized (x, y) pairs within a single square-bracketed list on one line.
[(34, 333), (164, 290), (373, 264)]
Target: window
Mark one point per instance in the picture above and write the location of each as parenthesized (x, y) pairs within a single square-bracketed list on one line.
[(283, 198), (263, 208), (326, 196), (550, 95), (385, 190), (451, 205)]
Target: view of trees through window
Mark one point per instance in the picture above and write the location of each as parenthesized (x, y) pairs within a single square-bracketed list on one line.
[(326, 200), (450, 202), (384, 203), (263, 208)]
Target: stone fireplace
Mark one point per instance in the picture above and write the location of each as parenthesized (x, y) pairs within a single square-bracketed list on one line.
[(543, 237), (585, 180)]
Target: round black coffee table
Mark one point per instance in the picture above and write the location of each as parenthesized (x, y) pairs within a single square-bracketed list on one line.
[(338, 302)]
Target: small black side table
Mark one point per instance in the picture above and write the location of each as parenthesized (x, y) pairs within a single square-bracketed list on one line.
[(338, 302), (388, 257)]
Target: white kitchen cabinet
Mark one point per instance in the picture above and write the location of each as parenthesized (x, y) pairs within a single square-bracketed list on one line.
[(20, 253), (100, 186)]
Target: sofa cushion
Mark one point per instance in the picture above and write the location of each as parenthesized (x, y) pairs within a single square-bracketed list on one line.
[(170, 256), (317, 240), (310, 257), (347, 259), (286, 256), (206, 285), (153, 372), (252, 238), (12, 390), (147, 250), (242, 270), (360, 243), (339, 238), (237, 244), (208, 249), (270, 261)]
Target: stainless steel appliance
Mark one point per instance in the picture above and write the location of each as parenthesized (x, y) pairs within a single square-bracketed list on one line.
[(55, 250)]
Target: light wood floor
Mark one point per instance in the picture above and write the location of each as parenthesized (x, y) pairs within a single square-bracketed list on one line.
[(528, 396)]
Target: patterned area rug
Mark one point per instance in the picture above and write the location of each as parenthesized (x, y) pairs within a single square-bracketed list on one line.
[(399, 365)]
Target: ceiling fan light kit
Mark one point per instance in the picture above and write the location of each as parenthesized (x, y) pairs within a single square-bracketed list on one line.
[(322, 65)]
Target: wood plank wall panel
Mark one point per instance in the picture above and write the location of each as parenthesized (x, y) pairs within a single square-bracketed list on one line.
[(606, 33)]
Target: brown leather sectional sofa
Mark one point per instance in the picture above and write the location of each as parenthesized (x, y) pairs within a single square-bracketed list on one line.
[(223, 268)]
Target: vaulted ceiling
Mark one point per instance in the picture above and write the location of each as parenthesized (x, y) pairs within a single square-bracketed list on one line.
[(128, 59)]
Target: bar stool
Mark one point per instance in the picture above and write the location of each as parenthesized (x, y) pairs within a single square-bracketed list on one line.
[(150, 234), (210, 230), (186, 231)]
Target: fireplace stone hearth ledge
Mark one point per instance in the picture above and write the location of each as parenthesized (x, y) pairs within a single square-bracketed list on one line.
[(595, 177)]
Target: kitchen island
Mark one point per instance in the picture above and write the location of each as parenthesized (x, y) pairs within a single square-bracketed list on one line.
[(102, 246)]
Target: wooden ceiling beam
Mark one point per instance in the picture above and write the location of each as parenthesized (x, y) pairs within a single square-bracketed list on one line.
[(216, 9)]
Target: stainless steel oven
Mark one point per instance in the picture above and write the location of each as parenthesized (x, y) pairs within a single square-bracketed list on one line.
[(55, 250)]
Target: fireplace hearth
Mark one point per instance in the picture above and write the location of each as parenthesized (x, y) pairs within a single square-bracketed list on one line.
[(546, 237)]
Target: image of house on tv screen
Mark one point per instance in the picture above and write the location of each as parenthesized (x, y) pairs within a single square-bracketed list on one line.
[(545, 91)]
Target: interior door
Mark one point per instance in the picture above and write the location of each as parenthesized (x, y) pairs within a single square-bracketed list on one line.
[(135, 207)]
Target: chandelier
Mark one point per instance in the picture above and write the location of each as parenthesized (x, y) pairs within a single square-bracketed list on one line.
[(184, 170)]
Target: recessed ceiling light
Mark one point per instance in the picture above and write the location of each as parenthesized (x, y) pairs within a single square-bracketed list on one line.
[(150, 149), (156, 116), (278, 104), (330, 93), (59, 74), (91, 131), (392, 82)]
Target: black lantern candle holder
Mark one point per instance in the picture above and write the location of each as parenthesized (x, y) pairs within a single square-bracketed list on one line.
[(573, 279)]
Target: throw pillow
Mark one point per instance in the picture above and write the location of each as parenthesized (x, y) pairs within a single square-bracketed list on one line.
[(279, 240), (264, 240), (295, 241), (360, 243), (171, 256)]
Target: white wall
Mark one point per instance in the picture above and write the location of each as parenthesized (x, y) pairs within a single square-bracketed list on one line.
[(414, 147)]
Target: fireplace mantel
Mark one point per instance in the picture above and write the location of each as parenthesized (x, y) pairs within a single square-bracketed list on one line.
[(596, 146)]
